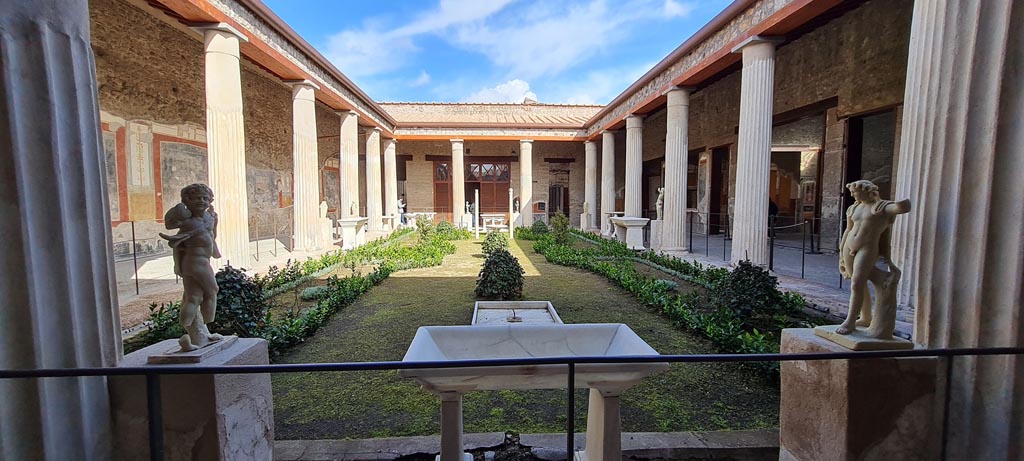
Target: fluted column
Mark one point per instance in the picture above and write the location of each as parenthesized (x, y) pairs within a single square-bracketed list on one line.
[(349, 162), (607, 180), (373, 186), (961, 157), (390, 181), (57, 283), (673, 237), (753, 160), (634, 165), (458, 182), (305, 158), (526, 181), (590, 185), (225, 142)]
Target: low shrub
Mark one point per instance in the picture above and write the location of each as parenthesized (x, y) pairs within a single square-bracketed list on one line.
[(447, 231), (539, 227), (560, 229), (241, 309), (525, 233), (314, 293), (495, 241), (501, 277)]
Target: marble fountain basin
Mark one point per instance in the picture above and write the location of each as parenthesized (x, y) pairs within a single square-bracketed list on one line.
[(468, 342)]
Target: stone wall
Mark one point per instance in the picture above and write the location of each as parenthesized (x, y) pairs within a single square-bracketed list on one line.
[(152, 101)]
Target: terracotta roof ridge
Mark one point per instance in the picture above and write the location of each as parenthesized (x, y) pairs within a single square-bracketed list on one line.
[(432, 103)]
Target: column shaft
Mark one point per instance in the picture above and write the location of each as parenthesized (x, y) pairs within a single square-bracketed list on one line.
[(961, 156), (673, 238), (753, 160), (306, 161), (349, 162), (60, 304), (390, 181), (373, 177), (225, 139), (607, 180), (634, 165), (458, 182), (590, 186), (526, 181)]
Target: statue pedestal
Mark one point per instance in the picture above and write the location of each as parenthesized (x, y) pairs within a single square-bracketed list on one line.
[(630, 231), (353, 233), (585, 222), (204, 416), (327, 232), (657, 226), (857, 409)]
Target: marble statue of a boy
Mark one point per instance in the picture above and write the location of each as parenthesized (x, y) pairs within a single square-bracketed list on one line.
[(866, 239), (193, 246)]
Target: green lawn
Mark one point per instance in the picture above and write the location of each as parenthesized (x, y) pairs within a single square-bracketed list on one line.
[(381, 324)]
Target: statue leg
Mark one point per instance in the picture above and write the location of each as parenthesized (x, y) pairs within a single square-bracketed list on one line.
[(188, 314), (860, 296)]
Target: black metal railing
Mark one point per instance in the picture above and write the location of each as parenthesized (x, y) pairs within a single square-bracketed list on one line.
[(152, 374)]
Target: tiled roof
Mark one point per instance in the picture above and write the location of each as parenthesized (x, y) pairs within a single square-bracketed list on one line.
[(411, 114)]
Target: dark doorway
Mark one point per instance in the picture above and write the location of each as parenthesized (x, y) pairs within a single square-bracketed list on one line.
[(718, 203), (870, 145), (558, 198)]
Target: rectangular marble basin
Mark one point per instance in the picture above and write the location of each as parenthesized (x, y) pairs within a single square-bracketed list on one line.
[(501, 312), (442, 343)]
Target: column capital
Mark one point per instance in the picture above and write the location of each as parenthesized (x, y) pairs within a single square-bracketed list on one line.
[(454, 141), (377, 129), (634, 121), (205, 27), (590, 143), (347, 112), (525, 140), (302, 83), (678, 96), (758, 40)]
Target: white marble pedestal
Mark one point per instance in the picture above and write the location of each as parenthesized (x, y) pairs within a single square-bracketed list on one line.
[(630, 231), (584, 222), (326, 231), (353, 233), (215, 417), (657, 227)]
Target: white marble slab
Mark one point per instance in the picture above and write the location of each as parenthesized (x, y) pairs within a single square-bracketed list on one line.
[(500, 312)]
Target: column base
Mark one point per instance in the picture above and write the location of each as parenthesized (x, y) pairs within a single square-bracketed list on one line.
[(857, 409), (204, 416)]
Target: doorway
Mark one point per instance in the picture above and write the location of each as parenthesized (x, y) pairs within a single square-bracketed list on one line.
[(870, 146), (718, 202)]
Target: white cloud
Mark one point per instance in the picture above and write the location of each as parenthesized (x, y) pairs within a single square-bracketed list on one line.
[(596, 87), (422, 79), (512, 91), (674, 9)]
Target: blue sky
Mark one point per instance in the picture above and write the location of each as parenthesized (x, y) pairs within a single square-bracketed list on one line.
[(555, 51)]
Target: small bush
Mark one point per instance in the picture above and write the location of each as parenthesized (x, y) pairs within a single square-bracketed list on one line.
[(314, 293), (501, 277), (560, 229), (525, 233), (539, 227), (241, 309), (425, 229), (495, 241)]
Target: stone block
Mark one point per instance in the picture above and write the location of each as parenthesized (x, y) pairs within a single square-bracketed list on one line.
[(209, 417), (857, 409), (656, 229)]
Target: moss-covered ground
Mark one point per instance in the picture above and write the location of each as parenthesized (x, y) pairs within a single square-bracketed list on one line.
[(381, 324)]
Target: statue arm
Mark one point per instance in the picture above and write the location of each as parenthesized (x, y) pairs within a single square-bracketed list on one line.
[(176, 216), (898, 208)]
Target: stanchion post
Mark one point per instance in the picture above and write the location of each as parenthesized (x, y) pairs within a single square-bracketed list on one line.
[(570, 420), (771, 243), (803, 250), (135, 258)]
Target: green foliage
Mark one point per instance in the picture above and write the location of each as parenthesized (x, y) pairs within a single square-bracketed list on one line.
[(241, 308), (560, 229), (525, 233), (425, 229), (501, 277), (495, 241), (314, 293), (539, 227), (447, 231)]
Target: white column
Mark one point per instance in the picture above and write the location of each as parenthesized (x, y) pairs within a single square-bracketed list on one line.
[(607, 180), (753, 160), (225, 142), (526, 181), (634, 165), (961, 158), (373, 186), (391, 182), (590, 185), (349, 162), (673, 237), (60, 306), (305, 157), (458, 182)]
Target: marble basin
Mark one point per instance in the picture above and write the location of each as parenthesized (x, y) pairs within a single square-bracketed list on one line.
[(442, 343), (500, 312)]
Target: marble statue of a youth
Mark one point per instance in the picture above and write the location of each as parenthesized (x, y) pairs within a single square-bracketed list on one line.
[(865, 240), (193, 246)]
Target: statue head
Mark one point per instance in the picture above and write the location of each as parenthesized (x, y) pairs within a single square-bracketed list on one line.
[(863, 190), (197, 197)]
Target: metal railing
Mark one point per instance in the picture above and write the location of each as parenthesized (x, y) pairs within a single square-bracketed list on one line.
[(152, 374)]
